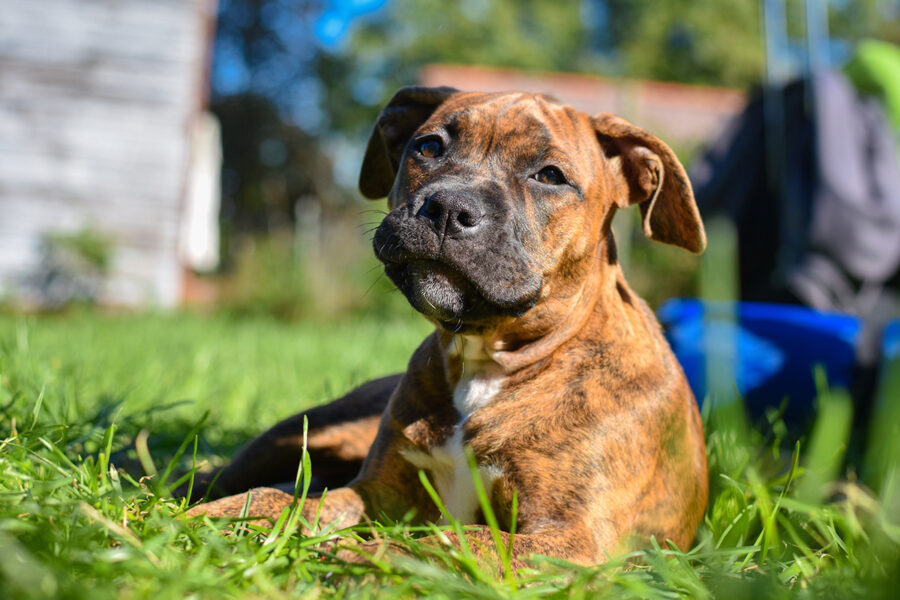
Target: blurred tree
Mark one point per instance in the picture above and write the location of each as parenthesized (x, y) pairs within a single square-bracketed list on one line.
[(696, 41), (859, 19), (719, 42), (266, 47), (386, 50), (265, 94), (269, 166)]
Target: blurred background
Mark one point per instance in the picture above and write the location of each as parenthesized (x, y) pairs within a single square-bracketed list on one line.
[(195, 153)]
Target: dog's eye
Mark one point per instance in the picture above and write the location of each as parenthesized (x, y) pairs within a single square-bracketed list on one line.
[(550, 175), (430, 148)]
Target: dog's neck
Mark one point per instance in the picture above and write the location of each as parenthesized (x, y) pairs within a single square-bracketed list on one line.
[(469, 356), (474, 375)]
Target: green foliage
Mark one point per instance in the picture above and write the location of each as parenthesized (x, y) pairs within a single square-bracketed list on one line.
[(79, 518), (91, 248), (715, 42), (655, 271), (387, 50), (72, 268), (860, 19)]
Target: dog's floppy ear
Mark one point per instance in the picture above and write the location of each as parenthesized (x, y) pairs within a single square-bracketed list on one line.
[(407, 110), (650, 175)]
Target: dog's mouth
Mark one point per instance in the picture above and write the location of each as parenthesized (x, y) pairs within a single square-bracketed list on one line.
[(448, 297)]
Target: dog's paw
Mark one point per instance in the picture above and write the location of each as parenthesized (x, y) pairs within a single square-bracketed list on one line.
[(264, 503)]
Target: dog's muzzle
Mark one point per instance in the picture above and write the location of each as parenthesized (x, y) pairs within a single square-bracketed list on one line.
[(456, 258)]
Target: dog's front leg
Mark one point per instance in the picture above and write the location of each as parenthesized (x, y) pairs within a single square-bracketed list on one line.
[(342, 507)]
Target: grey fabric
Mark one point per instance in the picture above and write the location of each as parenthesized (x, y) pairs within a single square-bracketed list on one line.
[(824, 229), (856, 205)]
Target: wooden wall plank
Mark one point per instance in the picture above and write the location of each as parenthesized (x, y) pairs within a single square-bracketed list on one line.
[(95, 101)]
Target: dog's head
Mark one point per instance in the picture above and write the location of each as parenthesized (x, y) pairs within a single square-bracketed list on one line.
[(498, 201)]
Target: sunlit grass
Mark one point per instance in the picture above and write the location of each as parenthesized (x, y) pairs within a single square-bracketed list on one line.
[(95, 411)]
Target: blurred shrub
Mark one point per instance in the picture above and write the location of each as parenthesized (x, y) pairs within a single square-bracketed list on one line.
[(327, 273), (658, 272), (655, 271), (72, 268), (92, 250), (267, 279)]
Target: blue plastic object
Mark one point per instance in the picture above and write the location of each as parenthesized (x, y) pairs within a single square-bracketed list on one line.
[(890, 343), (770, 351)]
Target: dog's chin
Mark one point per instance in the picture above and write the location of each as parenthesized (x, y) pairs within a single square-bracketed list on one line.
[(444, 295), (437, 291)]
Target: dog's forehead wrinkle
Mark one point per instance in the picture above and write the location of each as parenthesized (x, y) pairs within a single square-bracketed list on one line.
[(503, 103), (563, 116), (485, 118)]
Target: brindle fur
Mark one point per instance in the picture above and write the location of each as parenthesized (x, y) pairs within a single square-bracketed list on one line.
[(594, 427)]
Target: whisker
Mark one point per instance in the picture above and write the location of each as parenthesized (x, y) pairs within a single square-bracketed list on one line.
[(372, 286)]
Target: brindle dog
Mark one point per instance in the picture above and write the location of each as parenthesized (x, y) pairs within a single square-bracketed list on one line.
[(543, 361)]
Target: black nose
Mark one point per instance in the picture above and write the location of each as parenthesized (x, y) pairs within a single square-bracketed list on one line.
[(453, 214)]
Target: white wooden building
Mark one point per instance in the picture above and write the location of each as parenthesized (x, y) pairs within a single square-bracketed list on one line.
[(102, 129)]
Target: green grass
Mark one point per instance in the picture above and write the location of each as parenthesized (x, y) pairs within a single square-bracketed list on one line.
[(93, 406)]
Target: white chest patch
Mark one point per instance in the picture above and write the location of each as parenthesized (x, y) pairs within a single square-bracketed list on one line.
[(473, 392), (447, 465), (448, 470)]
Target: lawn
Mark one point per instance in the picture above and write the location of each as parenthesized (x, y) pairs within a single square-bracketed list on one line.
[(100, 413)]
